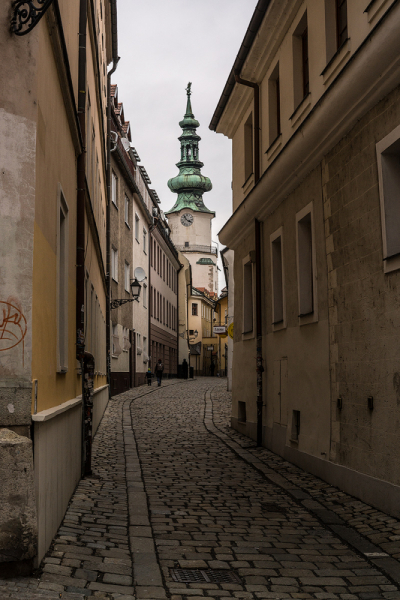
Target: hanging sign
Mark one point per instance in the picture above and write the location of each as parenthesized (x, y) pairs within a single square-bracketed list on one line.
[(220, 330), (230, 330)]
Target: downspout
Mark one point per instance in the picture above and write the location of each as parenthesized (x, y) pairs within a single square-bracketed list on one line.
[(115, 58), (258, 252), (80, 217), (256, 88)]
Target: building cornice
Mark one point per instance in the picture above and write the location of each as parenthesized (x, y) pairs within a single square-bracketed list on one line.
[(370, 74)]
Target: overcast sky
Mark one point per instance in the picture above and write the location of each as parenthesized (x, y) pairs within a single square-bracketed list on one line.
[(164, 44)]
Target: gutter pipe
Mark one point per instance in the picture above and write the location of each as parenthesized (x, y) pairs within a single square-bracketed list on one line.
[(115, 59), (258, 253)]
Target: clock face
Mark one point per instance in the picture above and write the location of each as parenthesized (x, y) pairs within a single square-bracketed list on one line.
[(186, 219)]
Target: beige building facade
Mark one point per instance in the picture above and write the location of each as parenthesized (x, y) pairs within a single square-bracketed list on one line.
[(314, 121), (53, 255)]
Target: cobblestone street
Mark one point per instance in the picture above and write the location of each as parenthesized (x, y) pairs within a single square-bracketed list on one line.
[(177, 495)]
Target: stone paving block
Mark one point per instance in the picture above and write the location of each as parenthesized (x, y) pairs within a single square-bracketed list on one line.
[(104, 587), (150, 592), (118, 579), (146, 570)]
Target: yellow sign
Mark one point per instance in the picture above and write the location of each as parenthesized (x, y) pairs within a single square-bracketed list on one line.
[(230, 330)]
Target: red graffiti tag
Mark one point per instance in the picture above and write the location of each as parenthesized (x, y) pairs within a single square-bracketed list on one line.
[(12, 326)]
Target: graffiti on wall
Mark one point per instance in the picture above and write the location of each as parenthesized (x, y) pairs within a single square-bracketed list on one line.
[(12, 325)]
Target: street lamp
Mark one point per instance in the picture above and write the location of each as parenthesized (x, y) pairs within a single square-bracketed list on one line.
[(135, 290)]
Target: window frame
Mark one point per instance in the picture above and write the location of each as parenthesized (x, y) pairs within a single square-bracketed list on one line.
[(388, 159), (62, 281), (278, 295), (306, 316)]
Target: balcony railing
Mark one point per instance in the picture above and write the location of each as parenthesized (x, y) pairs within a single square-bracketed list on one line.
[(198, 248)]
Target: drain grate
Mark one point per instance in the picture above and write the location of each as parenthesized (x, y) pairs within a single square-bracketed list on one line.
[(271, 507), (201, 575)]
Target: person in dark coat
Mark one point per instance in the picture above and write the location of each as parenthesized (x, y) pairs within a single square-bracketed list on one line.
[(159, 371), (149, 375)]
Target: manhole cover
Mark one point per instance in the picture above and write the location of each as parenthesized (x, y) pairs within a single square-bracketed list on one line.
[(274, 508), (201, 575)]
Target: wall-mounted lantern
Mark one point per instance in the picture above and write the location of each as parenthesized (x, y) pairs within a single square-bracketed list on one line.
[(135, 291)]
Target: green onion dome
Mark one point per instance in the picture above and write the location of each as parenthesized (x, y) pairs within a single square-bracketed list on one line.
[(189, 184)]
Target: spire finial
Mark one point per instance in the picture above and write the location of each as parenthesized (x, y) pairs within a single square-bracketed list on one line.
[(188, 89)]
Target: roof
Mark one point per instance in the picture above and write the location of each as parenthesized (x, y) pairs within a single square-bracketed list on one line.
[(251, 33)]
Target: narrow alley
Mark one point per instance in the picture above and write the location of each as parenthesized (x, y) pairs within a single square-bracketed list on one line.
[(182, 507)]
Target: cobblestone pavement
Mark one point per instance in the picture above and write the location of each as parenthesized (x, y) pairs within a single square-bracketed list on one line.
[(179, 493)]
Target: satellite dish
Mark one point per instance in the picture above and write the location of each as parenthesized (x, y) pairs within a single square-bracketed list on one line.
[(139, 274)]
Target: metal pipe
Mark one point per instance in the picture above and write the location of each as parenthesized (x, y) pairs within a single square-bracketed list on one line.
[(256, 88), (108, 211), (80, 217), (259, 358)]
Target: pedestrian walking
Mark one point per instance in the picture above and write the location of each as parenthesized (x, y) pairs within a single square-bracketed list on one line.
[(149, 375), (212, 368), (159, 371)]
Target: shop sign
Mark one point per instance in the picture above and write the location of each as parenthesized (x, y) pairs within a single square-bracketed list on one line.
[(220, 330)]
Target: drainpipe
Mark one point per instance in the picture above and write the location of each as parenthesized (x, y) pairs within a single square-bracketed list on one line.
[(256, 88), (108, 176), (259, 359), (80, 218), (258, 253)]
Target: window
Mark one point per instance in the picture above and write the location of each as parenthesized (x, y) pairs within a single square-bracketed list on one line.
[(114, 264), (301, 79), (295, 426), (137, 220), (305, 262), (388, 155), (126, 343), (144, 295), (127, 277), (341, 22), (62, 284), (336, 31), (114, 188), (277, 279), (151, 301), (247, 296), (116, 348), (145, 241), (127, 210), (186, 244), (163, 311), (248, 147), (274, 97)]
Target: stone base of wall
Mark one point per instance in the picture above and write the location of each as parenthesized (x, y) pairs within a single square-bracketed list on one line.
[(18, 524), (57, 460), (381, 494)]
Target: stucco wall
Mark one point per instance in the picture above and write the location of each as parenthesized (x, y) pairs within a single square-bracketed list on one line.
[(18, 102), (364, 309)]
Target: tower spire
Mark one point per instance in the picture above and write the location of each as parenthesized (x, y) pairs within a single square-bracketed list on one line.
[(189, 184)]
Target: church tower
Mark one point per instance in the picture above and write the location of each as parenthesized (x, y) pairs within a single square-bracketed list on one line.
[(189, 218)]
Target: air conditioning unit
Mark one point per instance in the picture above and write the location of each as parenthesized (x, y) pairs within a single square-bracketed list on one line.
[(138, 350), (145, 358)]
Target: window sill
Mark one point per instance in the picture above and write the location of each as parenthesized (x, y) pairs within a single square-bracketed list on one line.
[(311, 317), (391, 263), (292, 441), (248, 335), (336, 62), (278, 326), (115, 205), (128, 226), (273, 148), (116, 280), (300, 110)]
